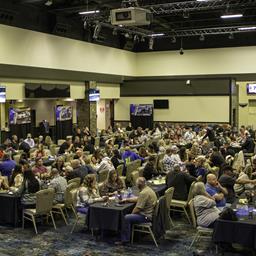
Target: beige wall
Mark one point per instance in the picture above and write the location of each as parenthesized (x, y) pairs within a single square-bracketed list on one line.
[(29, 48), (189, 109), (109, 91), (247, 114), (237, 60)]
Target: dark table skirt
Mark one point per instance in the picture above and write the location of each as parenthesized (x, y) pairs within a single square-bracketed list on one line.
[(108, 218), (10, 210), (240, 232)]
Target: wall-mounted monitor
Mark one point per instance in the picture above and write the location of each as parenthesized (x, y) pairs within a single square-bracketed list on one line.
[(251, 88), (40, 90), (2, 94), (141, 109), (94, 94), (161, 104)]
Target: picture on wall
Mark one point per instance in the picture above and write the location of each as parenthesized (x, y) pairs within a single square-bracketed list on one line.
[(141, 109), (63, 113), (19, 115)]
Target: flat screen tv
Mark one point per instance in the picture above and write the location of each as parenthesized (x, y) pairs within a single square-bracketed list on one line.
[(94, 94), (2, 94), (39, 90), (251, 88), (161, 104), (141, 109)]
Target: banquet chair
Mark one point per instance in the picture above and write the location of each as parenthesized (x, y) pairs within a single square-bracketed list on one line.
[(60, 142), (97, 142), (140, 170), (182, 205), (102, 176), (135, 176), (119, 169), (44, 202), (202, 232), (68, 203), (130, 167), (145, 227), (16, 158), (169, 194), (76, 180)]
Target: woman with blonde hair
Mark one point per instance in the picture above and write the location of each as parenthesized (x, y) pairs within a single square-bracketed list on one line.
[(112, 184), (88, 193), (205, 206)]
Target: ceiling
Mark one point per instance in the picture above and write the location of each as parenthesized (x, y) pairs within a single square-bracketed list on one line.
[(185, 24)]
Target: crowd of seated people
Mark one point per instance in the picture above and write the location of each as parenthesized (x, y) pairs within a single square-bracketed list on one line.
[(184, 154)]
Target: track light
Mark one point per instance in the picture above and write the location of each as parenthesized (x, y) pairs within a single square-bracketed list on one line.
[(136, 38), (173, 40), (89, 12), (181, 46), (185, 14), (231, 36), (114, 32), (247, 28), (97, 30), (202, 38), (151, 43), (231, 16), (142, 39), (48, 3)]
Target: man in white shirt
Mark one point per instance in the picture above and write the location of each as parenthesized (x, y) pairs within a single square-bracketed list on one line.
[(30, 141), (188, 136)]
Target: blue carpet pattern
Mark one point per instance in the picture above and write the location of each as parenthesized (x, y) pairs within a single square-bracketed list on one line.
[(18, 242)]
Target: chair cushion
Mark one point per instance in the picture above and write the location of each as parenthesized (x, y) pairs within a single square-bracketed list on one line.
[(30, 211), (148, 224), (58, 206), (203, 229), (178, 203)]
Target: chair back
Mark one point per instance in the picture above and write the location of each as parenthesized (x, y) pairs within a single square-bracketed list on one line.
[(68, 195), (190, 193), (102, 175), (119, 169), (16, 158), (131, 167), (135, 176), (140, 170), (192, 212), (77, 181), (97, 142), (100, 186), (52, 149), (73, 193), (56, 150), (60, 142), (169, 194), (44, 200)]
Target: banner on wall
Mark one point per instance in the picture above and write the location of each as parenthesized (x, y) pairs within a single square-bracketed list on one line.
[(63, 113), (141, 109), (19, 115)]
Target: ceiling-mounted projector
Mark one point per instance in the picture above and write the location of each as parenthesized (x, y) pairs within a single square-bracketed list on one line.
[(132, 16)]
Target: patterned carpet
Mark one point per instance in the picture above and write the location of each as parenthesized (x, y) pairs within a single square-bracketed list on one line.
[(18, 242)]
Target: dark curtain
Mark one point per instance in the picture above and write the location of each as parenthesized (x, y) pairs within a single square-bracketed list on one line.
[(21, 130), (63, 129), (142, 121)]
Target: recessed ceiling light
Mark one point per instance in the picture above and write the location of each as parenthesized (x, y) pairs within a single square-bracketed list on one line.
[(89, 12), (247, 28), (156, 34), (231, 16)]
